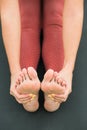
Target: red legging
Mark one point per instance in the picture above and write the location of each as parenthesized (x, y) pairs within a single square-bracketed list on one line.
[(52, 49), (30, 32)]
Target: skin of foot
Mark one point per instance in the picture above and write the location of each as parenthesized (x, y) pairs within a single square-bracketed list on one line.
[(28, 83), (51, 88), (19, 98)]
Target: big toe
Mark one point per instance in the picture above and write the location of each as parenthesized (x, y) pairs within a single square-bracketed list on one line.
[(32, 73), (49, 75)]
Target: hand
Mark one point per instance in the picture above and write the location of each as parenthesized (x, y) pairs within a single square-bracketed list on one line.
[(66, 79)]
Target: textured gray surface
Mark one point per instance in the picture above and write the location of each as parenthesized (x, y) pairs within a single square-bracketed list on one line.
[(71, 116)]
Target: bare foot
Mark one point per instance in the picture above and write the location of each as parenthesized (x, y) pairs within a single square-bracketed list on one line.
[(51, 88), (28, 83), (19, 98)]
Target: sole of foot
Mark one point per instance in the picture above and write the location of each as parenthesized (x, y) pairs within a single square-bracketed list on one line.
[(51, 88), (28, 83)]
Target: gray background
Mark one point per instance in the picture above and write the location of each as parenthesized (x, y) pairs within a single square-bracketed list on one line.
[(72, 115)]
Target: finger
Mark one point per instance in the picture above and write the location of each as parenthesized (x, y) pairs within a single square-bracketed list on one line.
[(19, 96), (60, 100), (52, 97), (21, 101), (18, 100), (57, 97), (64, 83), (27, 101)]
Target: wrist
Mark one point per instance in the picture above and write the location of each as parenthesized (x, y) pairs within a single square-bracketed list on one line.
[(69, 66), (15, 69)]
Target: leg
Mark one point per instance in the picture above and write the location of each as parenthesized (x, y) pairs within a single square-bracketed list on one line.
[(30, 51), (51, 88), (30, 26), (53, 54), (10, 20), (52, 51), (72, 29)]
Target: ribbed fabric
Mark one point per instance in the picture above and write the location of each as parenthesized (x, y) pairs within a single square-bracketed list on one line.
[(30, 33), (52, 51)]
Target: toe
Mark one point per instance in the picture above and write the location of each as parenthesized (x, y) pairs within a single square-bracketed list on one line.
[(55, 74), (49, 75), (25, 74), (32, 73)]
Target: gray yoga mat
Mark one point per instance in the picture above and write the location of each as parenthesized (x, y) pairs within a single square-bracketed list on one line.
[(72, 115)]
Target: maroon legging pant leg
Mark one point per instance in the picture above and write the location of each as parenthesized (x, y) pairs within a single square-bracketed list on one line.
[(52, 51), (30, 32)]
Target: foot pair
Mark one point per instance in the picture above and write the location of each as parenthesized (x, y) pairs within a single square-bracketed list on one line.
[(52, 86)]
